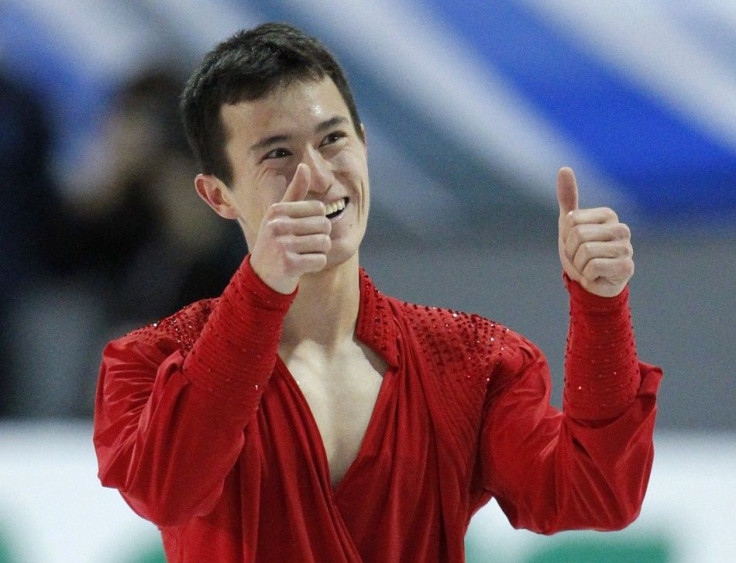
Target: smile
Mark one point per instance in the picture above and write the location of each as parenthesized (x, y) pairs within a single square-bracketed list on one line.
[(335, 208)]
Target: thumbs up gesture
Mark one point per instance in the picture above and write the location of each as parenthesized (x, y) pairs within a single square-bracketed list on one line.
[(595, 247), (293, 238)]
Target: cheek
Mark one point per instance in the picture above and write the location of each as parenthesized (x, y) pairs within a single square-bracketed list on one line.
[(271, 186), (257, 196), (351, 166), (255, 200)]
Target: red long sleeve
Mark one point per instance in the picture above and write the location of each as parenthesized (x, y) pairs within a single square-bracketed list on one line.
[(588, 467), (601, 368), (172, 402)]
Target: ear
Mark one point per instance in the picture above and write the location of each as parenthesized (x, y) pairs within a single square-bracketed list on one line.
[(216, 194)]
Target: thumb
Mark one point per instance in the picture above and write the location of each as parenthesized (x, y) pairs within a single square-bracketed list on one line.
[(298, 189), (567, 191)]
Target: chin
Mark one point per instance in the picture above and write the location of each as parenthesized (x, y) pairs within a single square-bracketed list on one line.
[(342, 252)]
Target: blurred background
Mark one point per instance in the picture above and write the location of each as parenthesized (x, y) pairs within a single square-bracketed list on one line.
[(470, 108)]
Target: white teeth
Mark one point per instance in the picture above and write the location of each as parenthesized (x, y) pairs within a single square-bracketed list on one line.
[(335, 206)]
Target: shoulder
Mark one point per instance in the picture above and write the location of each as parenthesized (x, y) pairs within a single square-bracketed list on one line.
[(447, 339), (438, 323), (461, 338), (175, 332)]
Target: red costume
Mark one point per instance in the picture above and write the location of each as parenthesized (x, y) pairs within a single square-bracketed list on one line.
[(203, 430)]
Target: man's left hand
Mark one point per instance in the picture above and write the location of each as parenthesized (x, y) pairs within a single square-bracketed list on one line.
[(595, 247)]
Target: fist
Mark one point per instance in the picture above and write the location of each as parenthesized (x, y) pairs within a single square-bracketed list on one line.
[(595, 247), (293, 237)]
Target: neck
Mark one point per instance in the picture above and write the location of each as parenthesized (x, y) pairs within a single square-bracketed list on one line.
[(326, 307)]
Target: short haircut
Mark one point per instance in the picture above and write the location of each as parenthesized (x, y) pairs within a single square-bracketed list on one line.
[(246, 67)]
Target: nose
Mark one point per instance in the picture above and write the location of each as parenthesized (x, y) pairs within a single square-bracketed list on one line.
[(321, 171)]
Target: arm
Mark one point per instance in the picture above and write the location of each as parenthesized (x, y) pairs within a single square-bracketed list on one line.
[(588, 467), (169, 424)]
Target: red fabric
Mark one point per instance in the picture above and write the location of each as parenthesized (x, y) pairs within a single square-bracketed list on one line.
[(203, 430)]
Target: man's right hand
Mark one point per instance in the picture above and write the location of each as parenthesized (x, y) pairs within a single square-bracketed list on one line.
[(294, 237)]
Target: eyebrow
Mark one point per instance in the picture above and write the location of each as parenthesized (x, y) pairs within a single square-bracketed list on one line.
[(330, 123), (320, 128)]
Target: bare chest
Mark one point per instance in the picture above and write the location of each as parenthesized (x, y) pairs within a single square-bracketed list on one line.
[(341, 392)]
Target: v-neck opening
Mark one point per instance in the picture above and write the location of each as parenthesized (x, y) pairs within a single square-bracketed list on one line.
[(378, 407)]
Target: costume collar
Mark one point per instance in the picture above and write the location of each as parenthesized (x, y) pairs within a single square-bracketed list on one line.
[(376, 324)]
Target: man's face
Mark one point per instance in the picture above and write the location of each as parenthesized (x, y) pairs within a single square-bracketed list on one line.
[(303, 122)]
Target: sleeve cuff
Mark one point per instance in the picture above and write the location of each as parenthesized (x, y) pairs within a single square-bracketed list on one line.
[(590, 302)]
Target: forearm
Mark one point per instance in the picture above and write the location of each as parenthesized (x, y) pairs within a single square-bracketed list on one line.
[(169, 426), (588, 467), (237, 350), (602, 373)]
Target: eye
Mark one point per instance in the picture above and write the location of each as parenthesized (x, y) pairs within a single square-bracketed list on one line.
[(333, 137), (276, 153)]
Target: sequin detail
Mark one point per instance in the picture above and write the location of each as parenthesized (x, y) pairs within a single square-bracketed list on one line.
[(376, 323), (601, 363), (463, 352), (229, 343), (182, 328)]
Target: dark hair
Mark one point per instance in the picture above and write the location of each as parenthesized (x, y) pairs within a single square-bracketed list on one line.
[(248, 66)]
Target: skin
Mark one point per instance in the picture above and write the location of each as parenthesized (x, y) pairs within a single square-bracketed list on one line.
[(595, 247), (293, 153)]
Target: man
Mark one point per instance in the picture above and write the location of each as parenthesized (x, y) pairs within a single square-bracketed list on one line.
[(305, 416)]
